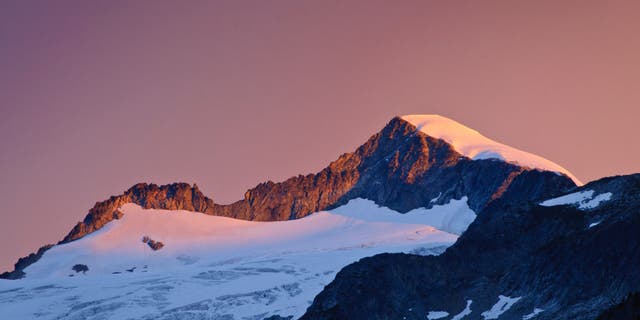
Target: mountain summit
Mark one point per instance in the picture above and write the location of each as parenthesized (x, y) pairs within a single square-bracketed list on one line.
[(474, 145)]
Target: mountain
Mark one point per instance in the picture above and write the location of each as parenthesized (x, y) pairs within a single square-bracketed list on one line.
[(402, 167), (388, 169), (572, 256), (413, 187)]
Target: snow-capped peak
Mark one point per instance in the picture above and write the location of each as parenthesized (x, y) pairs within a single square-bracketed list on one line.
[(474, 145)]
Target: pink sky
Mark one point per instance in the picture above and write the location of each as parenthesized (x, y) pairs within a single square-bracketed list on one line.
[(96, 96)]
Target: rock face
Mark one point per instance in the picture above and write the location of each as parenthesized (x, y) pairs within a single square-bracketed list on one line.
[(629, 309), (400, 167), (176, 196), (569, 262)]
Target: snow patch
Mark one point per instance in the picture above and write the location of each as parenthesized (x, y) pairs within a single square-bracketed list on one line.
[(583, 199), (434, 200), (453, 217), (596, 201), (572, 198), (465, 312), (504, 303), (594, 224), (531, 315), (433, 315), (474, 145)]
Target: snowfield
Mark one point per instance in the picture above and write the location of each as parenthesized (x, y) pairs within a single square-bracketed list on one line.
[(215, 267), (583, 199), (504, 303), (470, 143), (433, 315)]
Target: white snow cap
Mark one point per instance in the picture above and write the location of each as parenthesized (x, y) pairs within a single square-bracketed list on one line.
[(474, 145)]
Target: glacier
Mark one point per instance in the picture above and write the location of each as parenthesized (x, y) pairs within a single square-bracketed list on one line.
[(215, 267)]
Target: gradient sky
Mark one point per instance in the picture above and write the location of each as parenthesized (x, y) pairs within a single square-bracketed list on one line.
[(96, 96)]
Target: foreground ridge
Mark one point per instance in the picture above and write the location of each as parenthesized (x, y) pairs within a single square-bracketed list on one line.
[(552, 260)]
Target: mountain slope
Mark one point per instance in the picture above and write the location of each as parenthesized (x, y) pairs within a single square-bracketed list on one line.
[(570, 257)]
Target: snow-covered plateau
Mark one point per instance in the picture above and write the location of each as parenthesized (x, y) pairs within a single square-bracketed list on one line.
[(218, 268)]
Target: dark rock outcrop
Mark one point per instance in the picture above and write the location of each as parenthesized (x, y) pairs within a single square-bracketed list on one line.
[(277, 317), (571, 263), (154, 245), (80, 268), (629, 309), (18, 268)]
